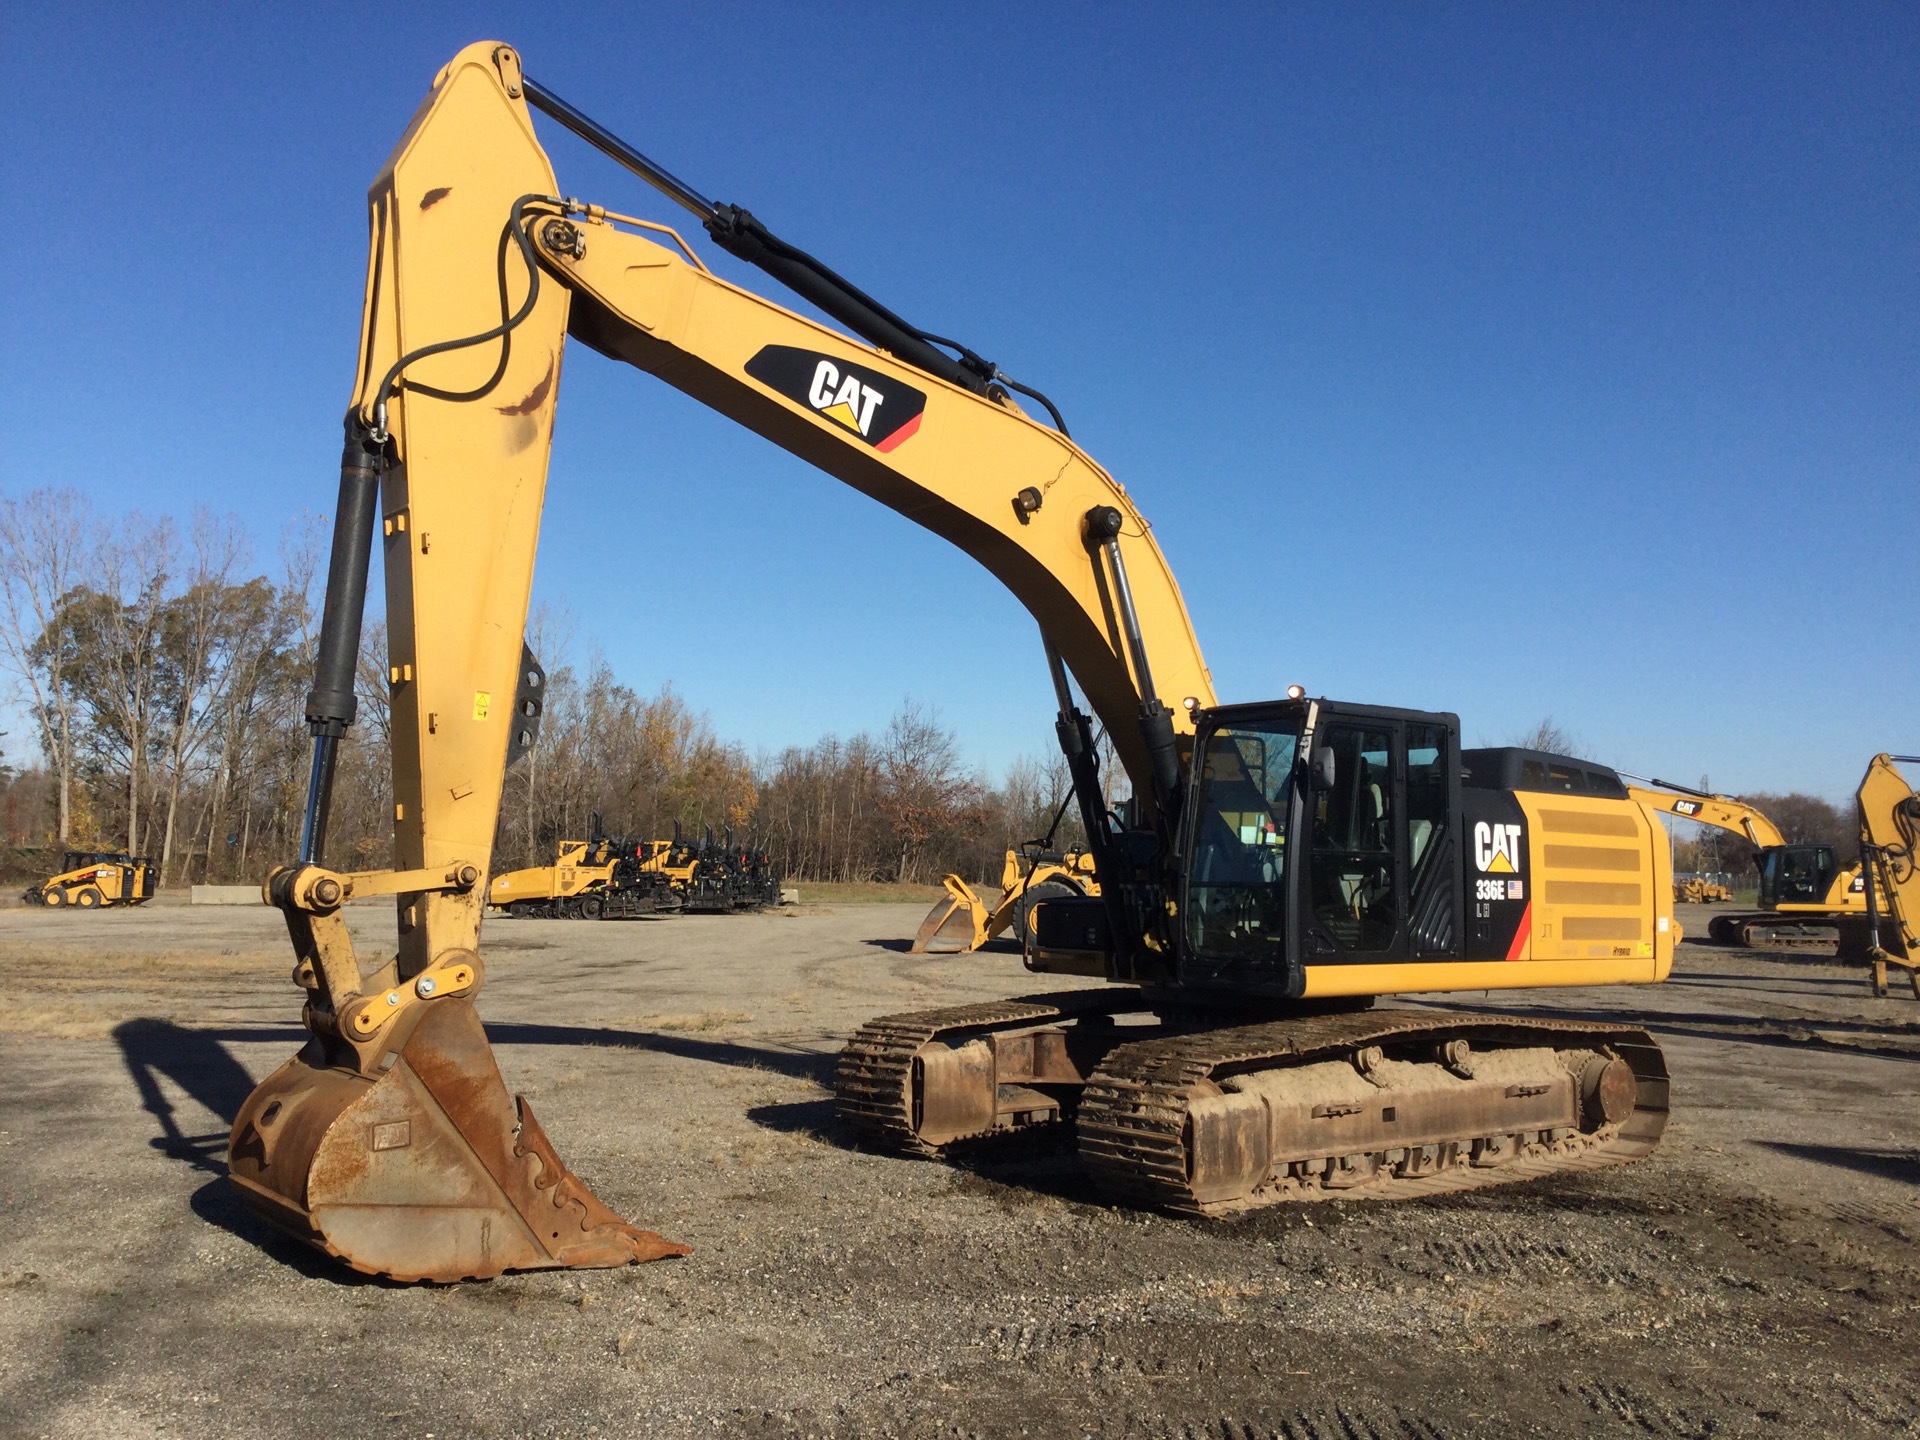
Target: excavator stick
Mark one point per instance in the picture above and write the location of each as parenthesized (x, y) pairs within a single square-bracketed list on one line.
[(390, 1140), (426, 1172), (956, 924)]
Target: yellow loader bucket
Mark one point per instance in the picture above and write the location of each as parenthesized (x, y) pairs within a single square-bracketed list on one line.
[(956, 924), (426, 1172)]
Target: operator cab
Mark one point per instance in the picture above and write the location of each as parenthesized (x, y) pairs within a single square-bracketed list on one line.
[(1796, 874), (1343, 854)]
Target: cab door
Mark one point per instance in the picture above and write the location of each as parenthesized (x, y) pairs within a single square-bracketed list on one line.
[(1355, 904), (1382, 877)]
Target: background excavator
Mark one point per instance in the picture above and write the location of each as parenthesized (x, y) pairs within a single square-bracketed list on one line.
[(1872, 903), (1277, 866), (1804, 890)]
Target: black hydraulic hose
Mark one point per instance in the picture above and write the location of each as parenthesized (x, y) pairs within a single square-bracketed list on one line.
[(1059, 423), (1103, 526), (517, 230)]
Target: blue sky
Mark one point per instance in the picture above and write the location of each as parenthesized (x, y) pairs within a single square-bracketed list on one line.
[(1508, 360)]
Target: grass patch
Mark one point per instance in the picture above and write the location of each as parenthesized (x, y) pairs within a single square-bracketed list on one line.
[(73, 992), (696, 1022)]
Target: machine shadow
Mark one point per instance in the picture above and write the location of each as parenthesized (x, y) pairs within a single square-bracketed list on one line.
[(1901, 1165), (801, 1065), (1012, 1168), (1884, 1042), (198, 1062), (814, 1119)]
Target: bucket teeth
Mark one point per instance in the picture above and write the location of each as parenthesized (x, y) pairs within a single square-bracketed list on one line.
[(584, 1232)]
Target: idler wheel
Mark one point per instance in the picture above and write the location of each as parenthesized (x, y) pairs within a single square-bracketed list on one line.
[(1608, 1091)]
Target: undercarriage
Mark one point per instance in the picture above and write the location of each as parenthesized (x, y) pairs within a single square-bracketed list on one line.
[(1172, 1110)]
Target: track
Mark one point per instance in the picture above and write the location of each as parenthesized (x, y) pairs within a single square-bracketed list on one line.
[(874, 1082), (1133, 1119), (1758, 930)]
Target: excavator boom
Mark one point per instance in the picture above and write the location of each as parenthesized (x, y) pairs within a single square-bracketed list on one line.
[(1723, 812)]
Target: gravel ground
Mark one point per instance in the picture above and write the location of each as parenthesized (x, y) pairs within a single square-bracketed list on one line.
[(1758, 1276)]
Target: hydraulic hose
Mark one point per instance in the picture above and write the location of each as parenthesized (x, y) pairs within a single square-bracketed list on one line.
[(376, 417)]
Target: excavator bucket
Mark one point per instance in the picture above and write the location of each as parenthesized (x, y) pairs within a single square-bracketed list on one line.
[(427, 1172), (956, 924)]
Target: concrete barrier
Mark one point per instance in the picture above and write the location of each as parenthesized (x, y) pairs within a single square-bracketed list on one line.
[(789, 896), (226, 894)]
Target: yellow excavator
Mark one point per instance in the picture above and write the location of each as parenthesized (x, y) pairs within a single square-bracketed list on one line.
[(1278, 865), (961, 921), (1804, 890)]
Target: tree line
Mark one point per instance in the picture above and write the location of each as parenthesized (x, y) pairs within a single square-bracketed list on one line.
[(164, 680)]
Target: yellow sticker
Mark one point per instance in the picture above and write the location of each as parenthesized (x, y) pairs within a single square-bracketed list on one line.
[(482, 702)]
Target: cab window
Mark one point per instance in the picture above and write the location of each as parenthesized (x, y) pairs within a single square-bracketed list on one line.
[(1353, 867), (1235, 901)]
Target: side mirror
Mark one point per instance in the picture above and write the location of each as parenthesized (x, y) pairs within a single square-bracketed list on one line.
[(1320, 770)]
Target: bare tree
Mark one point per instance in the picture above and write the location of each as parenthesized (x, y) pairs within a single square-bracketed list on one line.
[(923, 789), (46, 552), (195, 628), (121, 644), (1549, 737), (259, 656)]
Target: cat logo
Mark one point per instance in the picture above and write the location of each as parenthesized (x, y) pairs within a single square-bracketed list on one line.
[(1496, 848), (1689, 808), (878, 408)]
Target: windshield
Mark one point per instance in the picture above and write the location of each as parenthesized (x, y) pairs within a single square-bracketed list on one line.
[(1795, 874), (1235, 903)]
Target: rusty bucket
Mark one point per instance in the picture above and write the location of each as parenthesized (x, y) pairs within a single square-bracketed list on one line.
[(425, 1170)]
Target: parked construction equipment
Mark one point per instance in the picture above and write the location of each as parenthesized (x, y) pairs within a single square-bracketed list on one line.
[(712, 877), (961, 921), (607, 879), (588, 880), (1698, 890), (1277, 866), (89, 879), (1805, 892)]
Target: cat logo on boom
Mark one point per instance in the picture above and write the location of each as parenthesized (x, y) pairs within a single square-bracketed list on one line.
[(878, 408), (1496, 848)]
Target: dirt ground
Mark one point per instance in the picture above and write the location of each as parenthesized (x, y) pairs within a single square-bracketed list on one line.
[(1760, 1275)]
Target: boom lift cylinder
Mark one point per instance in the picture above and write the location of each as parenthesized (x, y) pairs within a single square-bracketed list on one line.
[(1104, 524), (331, 705)]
